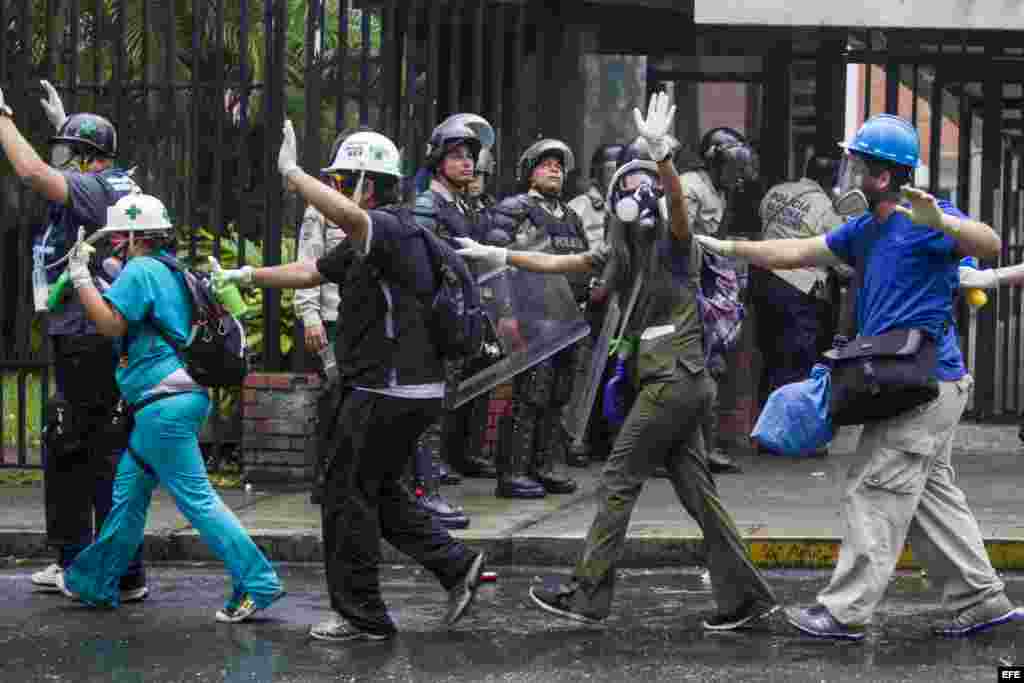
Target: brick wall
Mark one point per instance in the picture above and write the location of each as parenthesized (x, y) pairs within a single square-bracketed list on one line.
[(278, 422)]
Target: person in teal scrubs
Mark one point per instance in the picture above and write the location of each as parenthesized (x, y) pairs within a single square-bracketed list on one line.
[(169, 408)]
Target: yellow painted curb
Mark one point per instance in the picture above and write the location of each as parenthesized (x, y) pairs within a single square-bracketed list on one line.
[(822, 553)]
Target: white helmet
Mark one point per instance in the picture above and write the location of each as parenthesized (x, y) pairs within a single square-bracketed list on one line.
[(138, 213), (368, 152)]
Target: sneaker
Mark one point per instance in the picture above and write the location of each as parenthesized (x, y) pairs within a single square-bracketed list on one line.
[(743, 617), (817, 621), (461, 596), (240, 608), (339, 630), (134, 594), (987, 614), (64, 589), (45, 580), (558, 600)]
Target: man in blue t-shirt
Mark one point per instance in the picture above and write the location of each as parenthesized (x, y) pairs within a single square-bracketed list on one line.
[(86, 433), (905, 250)]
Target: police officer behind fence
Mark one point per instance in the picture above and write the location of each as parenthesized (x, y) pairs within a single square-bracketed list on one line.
[(388, 357), (661, 263), (533, 452), (86, 431), (793, 308), (726, 161)]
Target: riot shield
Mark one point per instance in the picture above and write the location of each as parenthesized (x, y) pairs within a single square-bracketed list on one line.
[(533, 316), (576, 415)]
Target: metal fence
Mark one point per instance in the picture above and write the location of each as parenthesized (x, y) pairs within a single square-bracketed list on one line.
[(199, 92)]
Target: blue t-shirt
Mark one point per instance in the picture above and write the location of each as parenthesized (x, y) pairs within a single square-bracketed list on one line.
[(148, 291), (909, 275)]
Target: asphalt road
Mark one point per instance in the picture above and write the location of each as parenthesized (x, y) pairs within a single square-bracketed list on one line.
[(653, 635)]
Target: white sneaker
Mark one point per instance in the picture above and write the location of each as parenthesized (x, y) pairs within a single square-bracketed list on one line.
[(45, 580), (134, 594)]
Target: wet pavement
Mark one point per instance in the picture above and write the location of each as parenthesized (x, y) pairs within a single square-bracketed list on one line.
[(653, 635)]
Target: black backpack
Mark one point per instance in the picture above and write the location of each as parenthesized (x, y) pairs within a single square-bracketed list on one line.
[(215, 354), (454, 316)]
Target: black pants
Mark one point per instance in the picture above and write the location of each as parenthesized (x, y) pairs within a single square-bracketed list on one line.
[(365, 501), (792, 330), (78, 475)]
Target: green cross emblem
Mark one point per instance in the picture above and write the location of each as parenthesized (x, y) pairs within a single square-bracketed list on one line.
[(87, 129), (133, 212)]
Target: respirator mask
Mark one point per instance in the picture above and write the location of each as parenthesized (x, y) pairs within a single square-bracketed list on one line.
[(850, 198), (639, 200)]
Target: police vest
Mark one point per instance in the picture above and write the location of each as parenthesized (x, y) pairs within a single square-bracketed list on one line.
[(566, 236), (383, 340)]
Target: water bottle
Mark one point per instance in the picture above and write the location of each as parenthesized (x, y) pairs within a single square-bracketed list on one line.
[(40, 289), (227, 294), (330, 364)]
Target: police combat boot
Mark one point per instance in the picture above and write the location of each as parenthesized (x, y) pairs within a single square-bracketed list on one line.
[(512, 481), (450, 516), (719, 462), (464, 440), (549, 454)]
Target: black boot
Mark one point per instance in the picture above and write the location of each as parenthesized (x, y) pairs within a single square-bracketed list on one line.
[(550, 454), (463, 440), (719, 462), (512, 480), (425, 488), (578, 455)]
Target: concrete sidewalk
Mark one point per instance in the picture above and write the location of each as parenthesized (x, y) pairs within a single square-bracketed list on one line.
[(787, 508)]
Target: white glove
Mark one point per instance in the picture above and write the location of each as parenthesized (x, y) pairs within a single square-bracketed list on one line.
[(52, 105), (78, 261), (655, 129), (971, 278), (717, 246), (495, 257), (287, 158), (223, 277), (3, 107)]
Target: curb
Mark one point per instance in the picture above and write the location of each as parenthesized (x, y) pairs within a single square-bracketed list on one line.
[(779, 552)]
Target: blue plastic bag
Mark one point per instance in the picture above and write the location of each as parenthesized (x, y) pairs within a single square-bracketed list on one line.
[(617, 395), (795, 420)]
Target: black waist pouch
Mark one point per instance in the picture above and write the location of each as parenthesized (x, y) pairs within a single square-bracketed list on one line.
[(875, 378)]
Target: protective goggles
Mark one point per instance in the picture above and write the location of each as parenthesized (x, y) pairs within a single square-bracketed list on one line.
[(63, 155), (349, 183), (850, 199)]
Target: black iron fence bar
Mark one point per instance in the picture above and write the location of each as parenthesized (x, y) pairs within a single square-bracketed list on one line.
[(276, 56), (892, 87), (455, 64), (310, 152), (388, 50), (935, 104), (430, 94), (217, 196), (364, 66), (99, 31), (514, 128), (3, 51), (71, 73), (341, 61), (914, 86), (118, 74), (477, 93), (964, 152), (498, 44)]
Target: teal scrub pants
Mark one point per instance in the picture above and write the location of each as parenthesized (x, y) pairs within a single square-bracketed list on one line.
[(166, 439)]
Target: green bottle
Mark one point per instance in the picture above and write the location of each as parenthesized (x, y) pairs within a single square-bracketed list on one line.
[(55, 301), (227, 293)]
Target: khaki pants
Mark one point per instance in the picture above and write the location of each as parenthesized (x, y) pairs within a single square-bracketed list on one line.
[(664, 428), (906, 491)]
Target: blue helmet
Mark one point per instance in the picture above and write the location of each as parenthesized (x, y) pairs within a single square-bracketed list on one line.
[(887, 137)]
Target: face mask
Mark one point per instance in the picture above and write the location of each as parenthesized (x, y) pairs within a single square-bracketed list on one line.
[(850, 199), (642, 208)]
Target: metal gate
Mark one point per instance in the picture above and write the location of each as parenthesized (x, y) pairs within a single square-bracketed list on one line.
[(199, 92)]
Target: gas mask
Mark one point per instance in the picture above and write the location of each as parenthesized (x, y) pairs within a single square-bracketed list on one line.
[(850, 198), (642, 207), (65, 157)]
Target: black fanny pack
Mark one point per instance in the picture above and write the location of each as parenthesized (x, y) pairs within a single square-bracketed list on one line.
[(874, 378)]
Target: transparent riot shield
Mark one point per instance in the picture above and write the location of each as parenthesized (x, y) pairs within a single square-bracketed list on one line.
[(533, 316), (576, 414)]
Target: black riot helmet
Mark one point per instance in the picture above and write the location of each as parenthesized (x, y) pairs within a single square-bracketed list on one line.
[(730, 160), (90, 133), (535, 153), (471, 130), (822, 168), (603, 164)]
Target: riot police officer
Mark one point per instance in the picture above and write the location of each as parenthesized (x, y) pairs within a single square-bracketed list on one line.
[(87, 428), (446, 209), (540, 220), (727, 161)]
